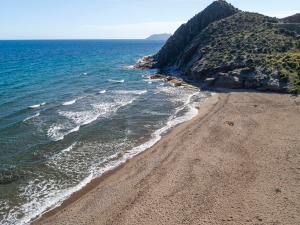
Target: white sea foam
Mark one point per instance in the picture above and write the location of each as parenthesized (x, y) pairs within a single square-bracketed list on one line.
[(83, 117), (116, 81), (70, 148), (34, 208), (74, 130), (58, 132), (70, 102), (31, 117), (77, 119), (150, 81), (124, 102), (55, 133), (37, 105), (156, 113), (131, 67), (102, 92), (133, 92), (172, 91)]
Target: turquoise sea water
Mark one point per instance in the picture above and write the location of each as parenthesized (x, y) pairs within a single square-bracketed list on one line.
[(71, 110)]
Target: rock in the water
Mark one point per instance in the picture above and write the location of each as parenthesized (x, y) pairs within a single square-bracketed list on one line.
[(176, 83), (157, 76), (168, 78), (145, 62)]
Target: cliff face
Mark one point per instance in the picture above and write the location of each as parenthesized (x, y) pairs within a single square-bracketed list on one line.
[(175, 45), (244, 50)]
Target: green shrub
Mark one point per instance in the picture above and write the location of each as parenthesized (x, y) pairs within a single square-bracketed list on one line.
[(296, 89)]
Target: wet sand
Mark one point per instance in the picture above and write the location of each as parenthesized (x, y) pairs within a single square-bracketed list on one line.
[(237, 162)]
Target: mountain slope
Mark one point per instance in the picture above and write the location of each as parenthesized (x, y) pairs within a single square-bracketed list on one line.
[(186, 32), (245, 50)]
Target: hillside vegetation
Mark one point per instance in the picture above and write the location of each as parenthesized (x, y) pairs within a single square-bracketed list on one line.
[(245, 50)]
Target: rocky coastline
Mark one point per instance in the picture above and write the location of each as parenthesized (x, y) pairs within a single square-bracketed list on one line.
[(225, 47), (144, 63), (240, 78)]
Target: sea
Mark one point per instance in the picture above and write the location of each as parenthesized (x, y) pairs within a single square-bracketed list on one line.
[(70, 110)]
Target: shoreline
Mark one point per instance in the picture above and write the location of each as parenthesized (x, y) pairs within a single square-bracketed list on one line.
[(75, 196), (161, 179)]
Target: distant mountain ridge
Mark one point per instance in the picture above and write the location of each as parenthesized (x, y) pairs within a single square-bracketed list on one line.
[(225, 47), (163, 36), (292, 19)]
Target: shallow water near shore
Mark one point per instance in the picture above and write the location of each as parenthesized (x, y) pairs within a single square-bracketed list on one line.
[(71, 110)]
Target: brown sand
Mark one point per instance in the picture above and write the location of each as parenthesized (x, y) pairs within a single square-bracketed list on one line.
[(237, 162)]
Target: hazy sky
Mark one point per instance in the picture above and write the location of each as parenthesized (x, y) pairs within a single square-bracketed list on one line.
[(106, 19)]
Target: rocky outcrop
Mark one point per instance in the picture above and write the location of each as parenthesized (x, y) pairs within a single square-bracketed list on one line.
[(174, 81), (145, 62), (243, 78)]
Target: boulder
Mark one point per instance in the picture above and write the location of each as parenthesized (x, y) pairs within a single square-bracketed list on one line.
[(176, 82), (209, 82), (225, 80), (157, 76)]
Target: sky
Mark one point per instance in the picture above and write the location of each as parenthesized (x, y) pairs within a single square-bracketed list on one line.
[(113, 19)]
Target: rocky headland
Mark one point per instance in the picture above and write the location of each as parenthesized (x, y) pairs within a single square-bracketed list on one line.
[(226, 47), (163, 37)]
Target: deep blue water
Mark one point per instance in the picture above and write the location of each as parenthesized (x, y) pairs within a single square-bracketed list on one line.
[(71, 110)]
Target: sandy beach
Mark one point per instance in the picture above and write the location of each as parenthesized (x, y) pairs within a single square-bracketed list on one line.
[(237, 162)]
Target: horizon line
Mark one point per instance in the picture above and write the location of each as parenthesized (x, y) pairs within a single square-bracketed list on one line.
[(78, 39)]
